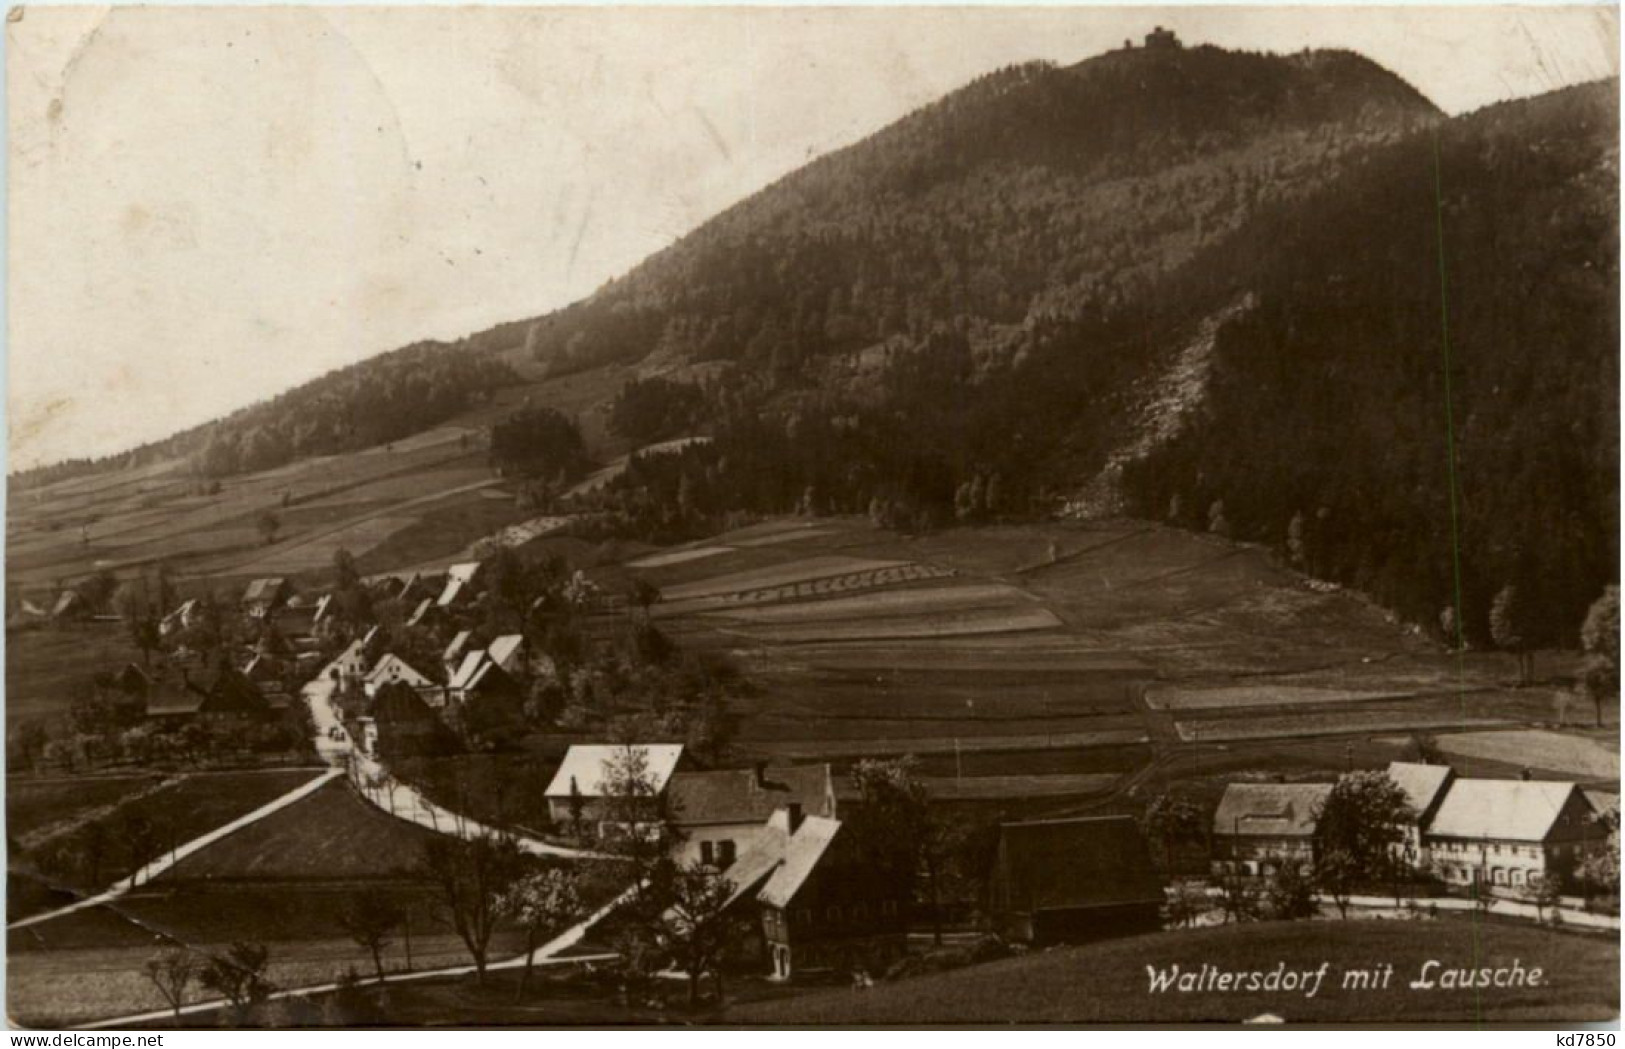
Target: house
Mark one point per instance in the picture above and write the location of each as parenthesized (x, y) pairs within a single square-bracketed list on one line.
[(70, 606), (351, 664), (1257, 826), (184, 617), (264, 596), (721, 813), (507, 652), (425, 614), (1425, 787), (585, 778), (818, 905), (459, 589), (452, 657), (298, 616), (1511, 834), (228, 696), (392, 669), (1065, 880), (400, 723)]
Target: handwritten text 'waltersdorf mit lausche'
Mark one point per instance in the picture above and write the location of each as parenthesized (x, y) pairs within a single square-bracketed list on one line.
[(1284, 979)]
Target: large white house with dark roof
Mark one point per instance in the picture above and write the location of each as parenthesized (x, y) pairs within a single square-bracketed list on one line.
[(1509, 833), (1258, 826)]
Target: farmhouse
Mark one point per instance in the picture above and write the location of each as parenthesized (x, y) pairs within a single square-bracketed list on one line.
[(819, 906), (452, 657), (70, 606), (1511, 834), (1425, 787), (184, 617), (1073, 879), (1259, 825), (298, 616), (392, 669), (401, 724), (721, 813), (586, 778), (459, 589), (507, 652), (229, 696), (263, 596)]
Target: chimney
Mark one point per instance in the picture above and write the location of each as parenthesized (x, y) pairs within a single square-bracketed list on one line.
[(1525, 774), (761, 775), (793, 810)]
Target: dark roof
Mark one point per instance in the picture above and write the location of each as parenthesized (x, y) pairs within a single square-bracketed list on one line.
[(166, 700), (1099, 861), (1283, 810), (264, 591), (734, 796), (398, 703)]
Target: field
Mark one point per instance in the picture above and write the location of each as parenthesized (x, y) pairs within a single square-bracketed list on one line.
[(1576, 756), (46, 669), (94, 853), (1577, 973), (1078, 660), (36, 809), (284, 881)]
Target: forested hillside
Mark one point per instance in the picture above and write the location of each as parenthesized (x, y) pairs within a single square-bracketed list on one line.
[(1329, 402), (1035, 194)]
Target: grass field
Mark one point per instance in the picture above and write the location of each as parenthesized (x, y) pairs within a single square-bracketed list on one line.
[(46, 669), (1109, 983), (178, 812), (38, 808), (1578, 756), (332, 834)]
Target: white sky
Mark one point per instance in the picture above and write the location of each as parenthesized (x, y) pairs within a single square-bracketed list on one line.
[(208, 206)]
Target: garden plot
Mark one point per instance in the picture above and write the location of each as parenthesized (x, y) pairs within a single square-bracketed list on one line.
[(1179, 699), (941, 625), (316, 553), (813, 749), (834, 583), (677, 557), (779, 576), (1578, 756), (888, 603), (1325, 724), (1011, 788)]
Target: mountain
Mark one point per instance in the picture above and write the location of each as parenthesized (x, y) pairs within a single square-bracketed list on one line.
[(1281, 298), (1034, 193)]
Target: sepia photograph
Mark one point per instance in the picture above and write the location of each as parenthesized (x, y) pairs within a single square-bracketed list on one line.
[(803, 516)]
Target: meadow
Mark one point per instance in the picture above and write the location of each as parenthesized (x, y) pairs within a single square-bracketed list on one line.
[(1577, 982)]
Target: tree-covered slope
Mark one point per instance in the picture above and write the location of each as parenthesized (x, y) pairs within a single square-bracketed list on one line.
[(1036, 192), (1458, 292)]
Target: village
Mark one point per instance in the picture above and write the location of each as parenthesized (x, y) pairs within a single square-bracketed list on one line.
[(731, 874)]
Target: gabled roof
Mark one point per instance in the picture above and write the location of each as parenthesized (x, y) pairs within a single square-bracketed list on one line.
[(504, 648), (1066, 864), (735, 795), (169, 701), (1504, 809), (463, 676), (1274, 809), (394, 668), (66, 602), (322, 608), (454, 590), (463, 572), (1602, 801), (1423, 785), (422, 611), (488, 675), (587, 765), (454, 651), (263, 590), (802, 853), (186, 609)]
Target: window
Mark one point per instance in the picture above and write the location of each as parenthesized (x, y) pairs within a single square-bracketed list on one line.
[(707, 853), (833, 912), (725, 853)]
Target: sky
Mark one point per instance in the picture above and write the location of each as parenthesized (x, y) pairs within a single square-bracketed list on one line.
[(207, 206)]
